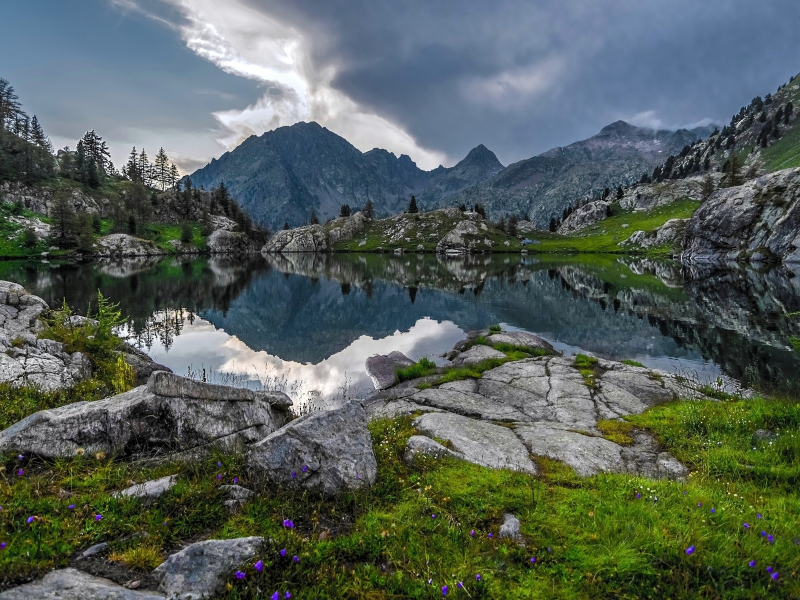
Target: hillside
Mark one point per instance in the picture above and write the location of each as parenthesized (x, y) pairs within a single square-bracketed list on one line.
[(285, 174)]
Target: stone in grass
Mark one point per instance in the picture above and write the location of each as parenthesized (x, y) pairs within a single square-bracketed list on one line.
[(520, 338), (237, 496), (201, 569), (71, 584), (149, 491), (511, 529), (383, 369), (329, 451), (477, 354)]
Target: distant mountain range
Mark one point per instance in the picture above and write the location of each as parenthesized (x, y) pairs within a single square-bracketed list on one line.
[(285, 174)]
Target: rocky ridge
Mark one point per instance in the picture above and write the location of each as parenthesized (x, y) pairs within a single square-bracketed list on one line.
[(541, 406)]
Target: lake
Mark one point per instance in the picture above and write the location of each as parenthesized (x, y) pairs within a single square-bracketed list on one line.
[(306, 323)]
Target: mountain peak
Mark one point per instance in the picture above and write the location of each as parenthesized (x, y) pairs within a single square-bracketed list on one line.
[(480, 155), (619, 128)]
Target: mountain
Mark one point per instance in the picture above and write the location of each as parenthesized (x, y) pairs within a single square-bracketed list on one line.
[(285, 174), (543, 186)]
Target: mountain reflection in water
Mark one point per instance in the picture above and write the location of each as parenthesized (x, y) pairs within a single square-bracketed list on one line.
[(311, 321)]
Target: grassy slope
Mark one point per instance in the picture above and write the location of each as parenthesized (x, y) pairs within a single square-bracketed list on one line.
[(785, 153), (606, 235), (10, 234), (423, 228), (591, 537)]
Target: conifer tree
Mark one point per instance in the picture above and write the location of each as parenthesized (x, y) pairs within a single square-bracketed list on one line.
[(132, 167), (345, 210), (161, 169), (313, 220), (707, 188), (38, 136), (369, 210), (174, 176), (286, 225), (412, 206), (145, 170), (10, 108)]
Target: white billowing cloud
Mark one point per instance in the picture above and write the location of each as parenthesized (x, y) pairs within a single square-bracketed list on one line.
[(250, 43), (516, 86), (649, 120)]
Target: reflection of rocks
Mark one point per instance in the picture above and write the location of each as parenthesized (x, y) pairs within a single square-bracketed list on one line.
[(133, 265), (171, 413), (542, 406)]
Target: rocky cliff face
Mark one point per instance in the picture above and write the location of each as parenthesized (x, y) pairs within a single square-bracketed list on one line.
[(758, 221)]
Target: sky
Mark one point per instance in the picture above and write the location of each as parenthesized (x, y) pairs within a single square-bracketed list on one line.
[(427, 78)]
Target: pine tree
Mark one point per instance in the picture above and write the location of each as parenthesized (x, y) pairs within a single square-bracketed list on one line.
[(708, 187), (412, 206), (132, 229), (345, 210), (174, 176), (788, 113), (313, 220), (161, 169), (10, 108), (620, 193), (480, 210), (38, 136), (286, 225), (92, 175), (369, 210), (80, 161), (132, 167), (145, 170), (62, 215), (511, 227), (553, 224)]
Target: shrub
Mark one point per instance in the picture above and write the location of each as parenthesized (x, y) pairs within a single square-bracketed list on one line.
[(186, 233)]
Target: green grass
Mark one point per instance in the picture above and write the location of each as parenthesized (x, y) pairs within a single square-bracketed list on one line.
[(785, 153), (592, 537), (11, 245), (162, 233), (587, 365), (632, 363), (422, 368), (605, 236)]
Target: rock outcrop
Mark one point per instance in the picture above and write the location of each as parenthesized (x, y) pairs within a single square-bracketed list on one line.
[(383, 368), (312, 238), (201, 570), (225, 241), (758, 221), (329, 451), (463, 238), (669, 234), (25, 359), (169, 414), (584, 216), (119, 245), (71, 584), (541, 406)]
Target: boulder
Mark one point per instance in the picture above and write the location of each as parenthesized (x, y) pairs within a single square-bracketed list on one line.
[(71, 584), (383, 369), (328, 451), (149, 491), (479, 442), (669, 234), (461, 239), (758, 221), (511, 529), (237, 496), (201, 570), (143, 366), (311, 238), (584, 216), (122, 244), (167, 415), (477, 354), (520, 338), (224, 241)]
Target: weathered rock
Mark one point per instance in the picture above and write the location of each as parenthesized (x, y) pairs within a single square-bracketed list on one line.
[(224, 241), (149, 491), (584, 216), (383, 369), (378, 408), (237, 496), (175, 418), (200, 570), (520, 338), (464, 237), (27, 360), (419, 445), (312, 238), (477, 354), (758, 221), (143, 366), (94, 550), (168, 384), (511, 529), (122, 244), (669, 234), (329, 451), (480, 442), (71, 584)]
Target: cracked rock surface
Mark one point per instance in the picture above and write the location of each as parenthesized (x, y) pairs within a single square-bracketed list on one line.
[(541, 406), (71, 584)]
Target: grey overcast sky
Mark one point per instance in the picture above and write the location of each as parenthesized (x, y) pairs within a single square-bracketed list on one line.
[(428, 78)]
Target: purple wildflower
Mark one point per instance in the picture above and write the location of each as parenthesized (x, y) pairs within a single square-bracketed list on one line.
[(770, 539), (472, 533), (305, 468), (235, 480), (219, 476), (283, 552), (549, 549), (699, 504), (287, 595), (433, 516), (746, 525), (275, 596), (98, 517), (533, 560), (713, 511), (490, 536), (219, 464), (288, 524), (769, 569), (460, 585), (774, 576), (752, 564), (638, 495), (2, 545), (295, 559), (684, 492), (29, 520), (240, 574), (71, 507), (20, 472), (690, 550), (20, 457), (444, 590), (259, 566), (763, 534), (294, 475), (758, 515), (478, 577)]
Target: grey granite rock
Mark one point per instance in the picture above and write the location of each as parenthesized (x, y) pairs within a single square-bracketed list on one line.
[(511, 529), (334, 447), (71, 584), (140, 422), (200, 570), (122, 244), (520, 338), (480, 442), (477, 354), (149, 491), (383, 369), (224, 241)]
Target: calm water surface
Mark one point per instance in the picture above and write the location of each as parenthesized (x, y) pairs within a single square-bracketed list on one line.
[(307, 323)]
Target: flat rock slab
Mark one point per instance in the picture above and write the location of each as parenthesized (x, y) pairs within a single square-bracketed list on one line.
[(383, 369), (329, 451), (520, 338), (149, 490), (391, 409), (201, 569), (140, 422), (480, 442), (419, 445), (477, 354), (71, 584)]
